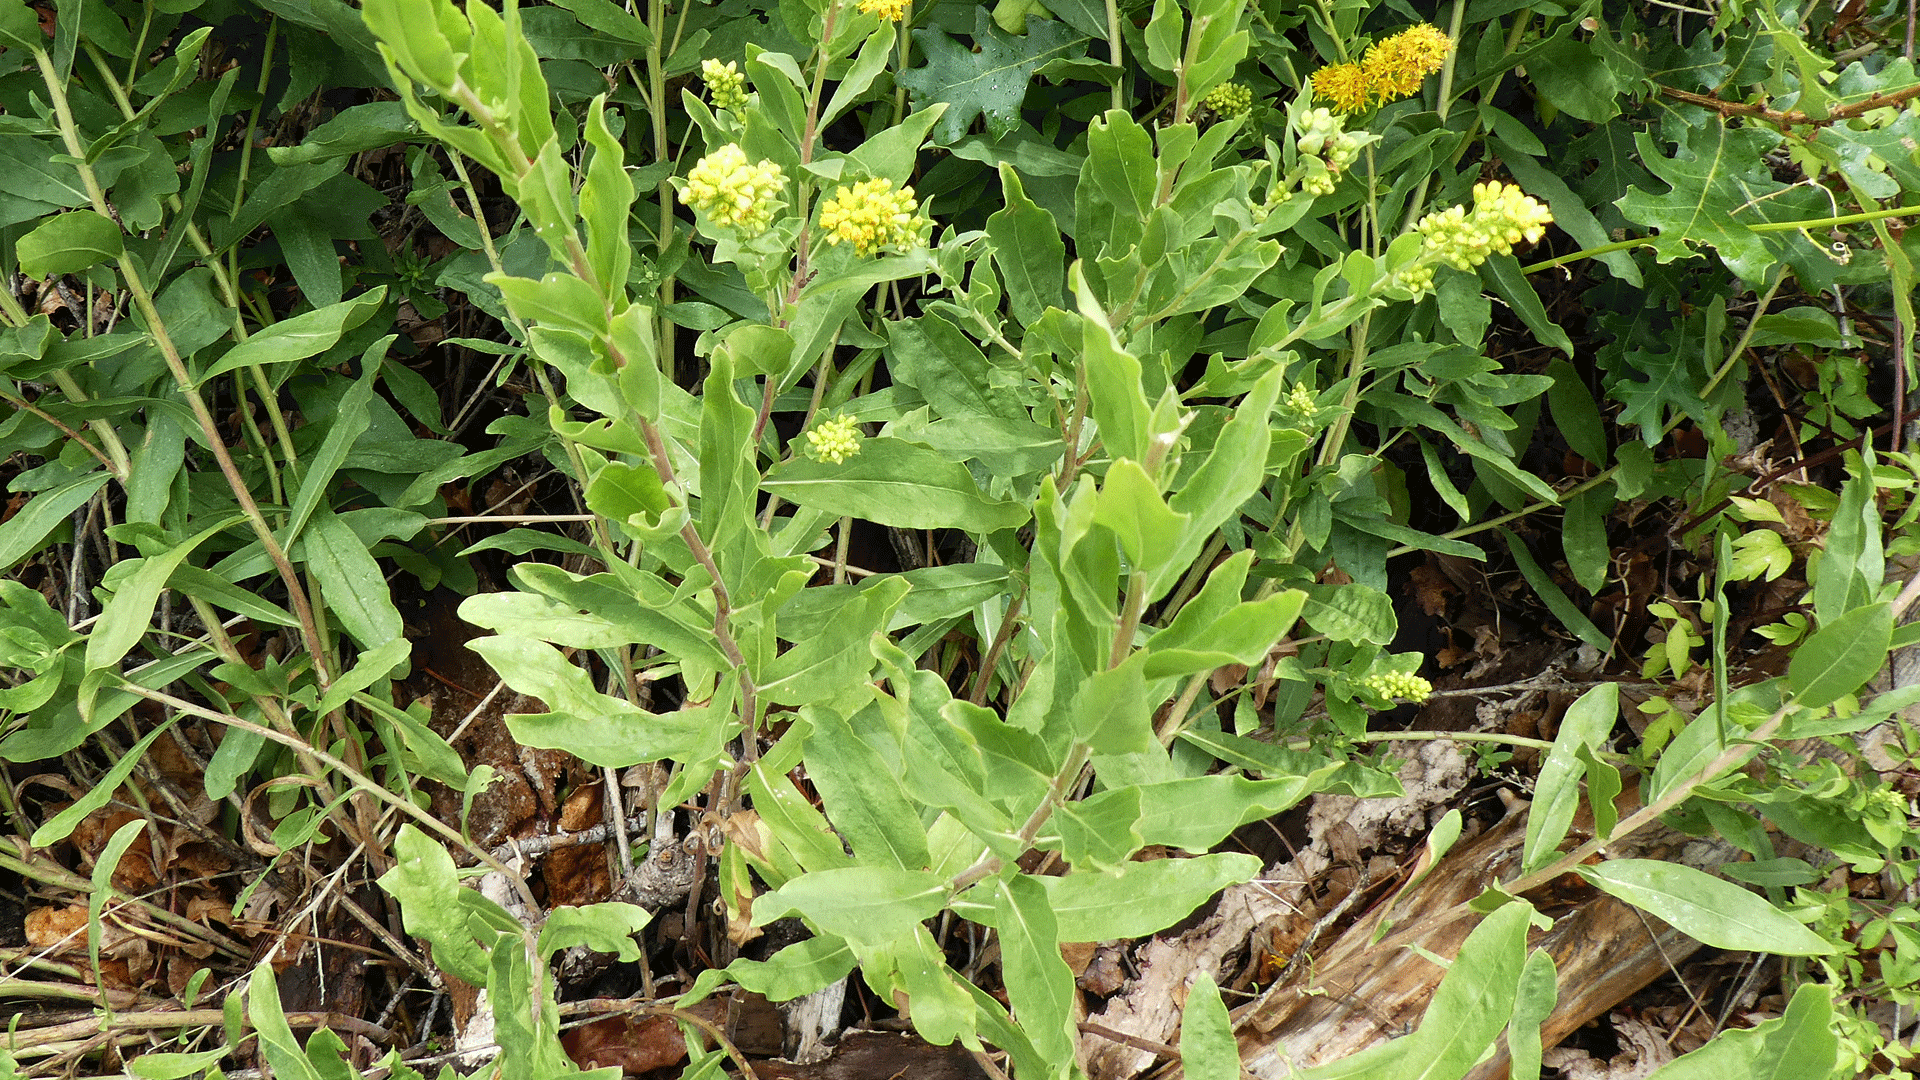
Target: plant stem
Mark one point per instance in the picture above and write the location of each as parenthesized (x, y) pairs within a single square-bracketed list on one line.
[(143, 299)]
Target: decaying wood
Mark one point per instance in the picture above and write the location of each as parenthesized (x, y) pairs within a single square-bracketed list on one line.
[(1355, 994)]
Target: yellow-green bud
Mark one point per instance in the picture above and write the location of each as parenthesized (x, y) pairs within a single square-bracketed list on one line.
[(871, 215), (1228, 100), (1399, 685), (726, 87), (1502, 216), (834, 440), (733, 193)]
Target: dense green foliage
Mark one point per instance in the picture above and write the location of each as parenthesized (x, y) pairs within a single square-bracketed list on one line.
[(1153, 357)]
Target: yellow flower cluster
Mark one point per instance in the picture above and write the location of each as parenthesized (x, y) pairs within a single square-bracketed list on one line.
[(733, 193), (870, 215), (726, 87), (1502, 216), (1399, 685), (890, 10), (835, 440), (1228, 100), (1392, 69)]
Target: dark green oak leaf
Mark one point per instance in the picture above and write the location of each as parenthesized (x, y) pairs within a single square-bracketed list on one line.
[(989, 80), (1718, 188)]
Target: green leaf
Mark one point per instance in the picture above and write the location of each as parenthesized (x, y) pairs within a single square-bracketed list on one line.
[(68, 243), (1533, 1000), (605, 928), (1798, 1043), (1706, 908), (350, 580), (1719, 185), (128, 614), (1028, 249), (1141, 898), (1502, 274), (864, 904), (1356, 613), (175, 1066), (1196, 813), (988, 80), (1550, 594), (931, 355), (1208, 1050), (890, 482), (423, 879), (350, 420), (1039, 983), (61, 825), (1588, 722), (21, 534), (795, 971), (820, 666), (277, 1043), (368, 668), (1841, 656), (592, 726), (1473, 1000), (863, 797), (299, 337)]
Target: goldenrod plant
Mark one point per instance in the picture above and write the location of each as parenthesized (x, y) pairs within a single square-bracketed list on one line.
[(1147, 335)]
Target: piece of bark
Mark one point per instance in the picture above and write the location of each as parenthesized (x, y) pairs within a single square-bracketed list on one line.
[(1359, 993)]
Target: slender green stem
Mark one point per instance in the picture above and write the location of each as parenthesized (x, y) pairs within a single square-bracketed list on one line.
[(1841, 219), (1114, 55), (176, 364), (1588, 253), (1418, 201)]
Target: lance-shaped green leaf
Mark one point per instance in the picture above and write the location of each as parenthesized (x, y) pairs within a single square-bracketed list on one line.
[(890, 482), (1039, 983), (863, 797), (1132, 901), (1800, 1042), (21, 534), (1473, 1000), (1587, 723), (1208, 1050), (864, 904), (126, 615), (69, 243), (1841, 656), (351, 581), (592, 726), (1028, 249), (1705, 908), (299, 337)]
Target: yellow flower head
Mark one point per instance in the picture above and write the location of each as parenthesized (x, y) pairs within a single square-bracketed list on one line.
[(1397, 66), (1343, 84), (871, 215), (733, 193), (890, 10)]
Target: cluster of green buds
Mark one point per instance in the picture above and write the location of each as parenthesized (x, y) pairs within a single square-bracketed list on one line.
[(1502, 216), (1229, 100), (733, 193), (1300, 406), (871, 215), (1398, 686), (1324, 139), (834, 440), (726, 87)]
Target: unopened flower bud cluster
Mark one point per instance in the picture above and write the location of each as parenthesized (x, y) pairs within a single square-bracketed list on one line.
[(1324, 137), (1229, 100), (1300, 403), (726, 87), (871, 215), (1502, 216), (834, 440), (1399, 685), (733, 193)]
